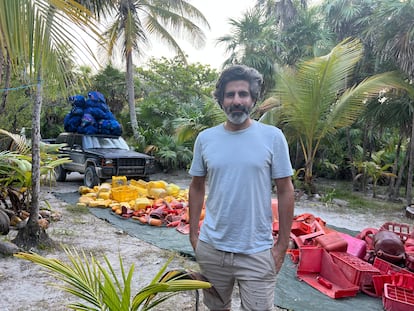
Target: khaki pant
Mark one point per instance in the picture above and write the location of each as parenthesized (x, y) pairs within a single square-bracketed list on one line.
[(255, 275)]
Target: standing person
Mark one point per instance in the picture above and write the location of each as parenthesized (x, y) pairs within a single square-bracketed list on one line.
[(239, 159)]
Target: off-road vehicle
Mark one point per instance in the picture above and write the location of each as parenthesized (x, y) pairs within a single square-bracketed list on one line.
[(99, 157)]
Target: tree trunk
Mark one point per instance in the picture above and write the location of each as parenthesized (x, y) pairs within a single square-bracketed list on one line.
[(392, 191), (351, 158), (7, 64), (131, 95), (410, 165), (32, 235)]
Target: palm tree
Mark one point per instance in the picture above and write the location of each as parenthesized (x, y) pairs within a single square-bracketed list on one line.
[(136, 20), (391, 32), (252, 42), (34, 34), (315, 102)]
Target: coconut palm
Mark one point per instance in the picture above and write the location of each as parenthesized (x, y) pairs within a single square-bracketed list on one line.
[(391, 32), (135, 21), (314, 100), (34, 33), (252, 42)]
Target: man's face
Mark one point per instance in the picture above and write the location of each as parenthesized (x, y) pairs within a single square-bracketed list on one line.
[(237, 101)]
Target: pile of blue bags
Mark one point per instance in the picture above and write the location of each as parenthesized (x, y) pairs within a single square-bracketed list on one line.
[(91, 115)]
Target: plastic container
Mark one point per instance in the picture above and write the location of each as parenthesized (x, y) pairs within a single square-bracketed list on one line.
[(386, 267), (356, 270), (317, 268), (124, 193), (332, 241), (397, 298), (118, 181), (356, 247), (403, 230), (404, 280)]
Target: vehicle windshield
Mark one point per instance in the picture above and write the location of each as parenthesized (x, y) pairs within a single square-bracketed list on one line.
[(91, 142)]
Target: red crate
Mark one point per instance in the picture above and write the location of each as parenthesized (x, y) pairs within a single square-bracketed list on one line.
[(386, 267), (317, 269), (356, 270), (403, 280), (397, 298), (403, 230)]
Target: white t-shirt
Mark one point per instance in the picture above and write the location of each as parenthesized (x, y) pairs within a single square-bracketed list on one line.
[(240, 167)]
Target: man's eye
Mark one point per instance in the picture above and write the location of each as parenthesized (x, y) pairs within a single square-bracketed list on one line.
[(244, 94), (229, 95)]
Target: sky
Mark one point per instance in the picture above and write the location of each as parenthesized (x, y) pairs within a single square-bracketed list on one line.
[(217, 13)]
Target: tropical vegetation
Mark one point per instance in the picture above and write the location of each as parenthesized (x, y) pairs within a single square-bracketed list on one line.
[(99, 288), (338, 80)]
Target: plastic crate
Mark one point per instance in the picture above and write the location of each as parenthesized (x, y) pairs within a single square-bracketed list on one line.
[(403, 280), (356, 270), (397, 298), (124, 193), (386, 267), (317, 269), (403, 230)]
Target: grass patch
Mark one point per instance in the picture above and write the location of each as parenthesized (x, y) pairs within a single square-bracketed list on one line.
[(356, 200), (77, 210)]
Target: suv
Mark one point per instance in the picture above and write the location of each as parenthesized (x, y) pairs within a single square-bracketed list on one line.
[(99, 157)]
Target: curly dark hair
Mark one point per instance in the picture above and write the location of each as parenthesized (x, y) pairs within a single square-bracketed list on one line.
[(235, 73)]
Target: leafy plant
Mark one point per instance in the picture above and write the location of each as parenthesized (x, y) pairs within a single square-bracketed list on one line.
[(374, 169), (101, 289)]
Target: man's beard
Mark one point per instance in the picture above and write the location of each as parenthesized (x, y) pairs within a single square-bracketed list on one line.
[(237, 114)]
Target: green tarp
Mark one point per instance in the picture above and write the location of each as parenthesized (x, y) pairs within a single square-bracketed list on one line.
[(290, 292)]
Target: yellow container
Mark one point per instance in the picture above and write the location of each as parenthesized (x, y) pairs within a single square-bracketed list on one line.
[(157, 184), (139, 182), (118, 181), (157, 193), (142, 203), (124, 193), (104, 195), (173, 189)]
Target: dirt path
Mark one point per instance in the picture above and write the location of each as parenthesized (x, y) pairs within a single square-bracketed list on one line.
[(25, 286)]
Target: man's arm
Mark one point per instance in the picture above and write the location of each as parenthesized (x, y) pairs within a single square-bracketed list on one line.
[(196, 195), (286, 202)]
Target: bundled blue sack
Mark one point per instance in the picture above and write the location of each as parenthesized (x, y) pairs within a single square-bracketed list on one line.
[(96, 96), (71, 122), (89, 130), (77, 101), (96, 112)]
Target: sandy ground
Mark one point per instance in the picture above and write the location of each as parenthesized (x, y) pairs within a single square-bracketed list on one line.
[(26, 286)]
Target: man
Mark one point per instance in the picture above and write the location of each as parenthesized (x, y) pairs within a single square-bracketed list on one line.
[(239, 159)]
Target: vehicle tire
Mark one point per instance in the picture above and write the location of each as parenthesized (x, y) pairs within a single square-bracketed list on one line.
[(60, 173), (90, 179)]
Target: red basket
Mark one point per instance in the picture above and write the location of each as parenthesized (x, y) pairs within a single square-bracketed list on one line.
[(403, 230), (397, 299), (356, 270)]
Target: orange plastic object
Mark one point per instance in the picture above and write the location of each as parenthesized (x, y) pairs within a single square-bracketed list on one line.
[(317, 269), (356, 270), (332, 241), (397, 298)]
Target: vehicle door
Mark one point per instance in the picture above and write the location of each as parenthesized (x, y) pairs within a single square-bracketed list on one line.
[(77, 153)]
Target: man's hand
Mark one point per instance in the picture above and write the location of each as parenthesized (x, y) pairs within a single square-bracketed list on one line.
[(278, 254)]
